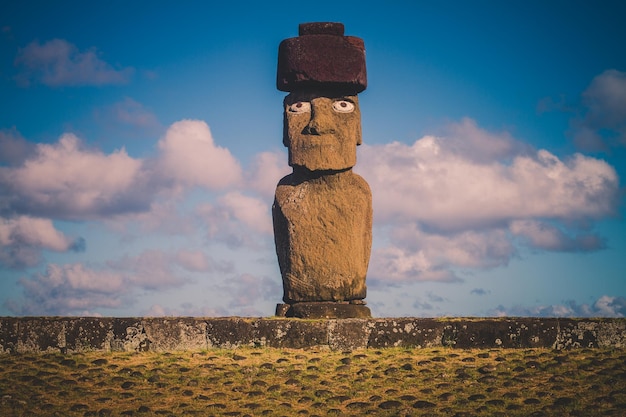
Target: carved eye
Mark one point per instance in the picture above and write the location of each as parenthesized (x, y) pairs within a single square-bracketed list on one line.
[(300, 107), (343, 106)]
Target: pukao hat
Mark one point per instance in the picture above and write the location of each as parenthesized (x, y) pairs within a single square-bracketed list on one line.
[(321, 57)]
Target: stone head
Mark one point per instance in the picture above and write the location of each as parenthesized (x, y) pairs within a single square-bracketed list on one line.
[(323, 71), (322, 130)]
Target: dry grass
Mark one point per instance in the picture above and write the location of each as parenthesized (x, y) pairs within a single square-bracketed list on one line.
[(273, 382)]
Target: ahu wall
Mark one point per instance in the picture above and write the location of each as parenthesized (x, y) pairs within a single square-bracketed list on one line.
[(75, 334)]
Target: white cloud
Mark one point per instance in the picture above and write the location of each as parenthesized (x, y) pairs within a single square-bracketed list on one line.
[(70, 181), (193, 260), (245, 290), (251, 211), (465, 139), (165, 216), (68, 289), (429, 183), (266, 170), (58, 63), (129, 113), (73, 289), (394, 264), (185, 310), (66, 180), (198, 261), (442, 205), (237, 220), (605, 306), (150, 270), (414, 255), (133, 113), (14, 149), (460, 201), (545, 236), (604, 121), (606, 99), (189, 156), (33, 232), (22, 238), (471, 249)]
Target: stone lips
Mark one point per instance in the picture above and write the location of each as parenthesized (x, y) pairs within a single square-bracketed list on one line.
[(321, 58)]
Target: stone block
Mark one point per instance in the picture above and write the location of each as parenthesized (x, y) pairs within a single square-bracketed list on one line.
[(8, 335), (348, 334), (41, 334), (232, 332), (499, 333), (328, 310), (87, 333), (321, 57), (127, 335), (292, 334), (176, 333), (405, 332)]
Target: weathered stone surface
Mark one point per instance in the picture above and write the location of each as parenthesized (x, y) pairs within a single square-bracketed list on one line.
[(67, 335), (328, 310), (167, 334), (321, 28), (281, 310), (322, 212), (348, 334), (402, 332), (87, 333), (504, 333), (41, 335), (321, 57), (318, 136), (8, 335), (232, 333), (590, 333), (294, 334), (322, 230), (128, 334)]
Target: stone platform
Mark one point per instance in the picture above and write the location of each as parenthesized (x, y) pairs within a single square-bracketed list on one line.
[(75, 334), (324, 310)]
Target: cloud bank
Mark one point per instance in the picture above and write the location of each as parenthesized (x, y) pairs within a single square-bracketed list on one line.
[(58, 63), (464, 200), (22, 239), (67, 180), (469, 199), (605, 306)]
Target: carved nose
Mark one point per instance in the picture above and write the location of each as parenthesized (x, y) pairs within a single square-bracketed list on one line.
[(319, 124), (313, 128)]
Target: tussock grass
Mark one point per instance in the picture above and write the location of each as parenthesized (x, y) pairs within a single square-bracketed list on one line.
[(280, 382)]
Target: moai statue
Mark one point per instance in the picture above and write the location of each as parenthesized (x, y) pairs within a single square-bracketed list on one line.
[(322, 211)]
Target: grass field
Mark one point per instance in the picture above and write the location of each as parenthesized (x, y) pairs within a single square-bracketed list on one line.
[(280, 382)]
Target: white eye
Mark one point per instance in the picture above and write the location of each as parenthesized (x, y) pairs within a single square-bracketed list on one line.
[(343, 106), (300, 107)]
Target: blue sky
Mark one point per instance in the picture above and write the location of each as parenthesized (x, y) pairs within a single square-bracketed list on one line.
[(140, 145)]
